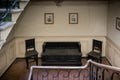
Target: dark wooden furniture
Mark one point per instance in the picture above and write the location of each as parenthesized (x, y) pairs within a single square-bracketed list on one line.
[(61, 53), (96, 53), (31, 52)]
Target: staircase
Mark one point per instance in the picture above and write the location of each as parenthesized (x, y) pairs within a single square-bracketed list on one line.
[(90, 71), (16, 8), (8, 18)]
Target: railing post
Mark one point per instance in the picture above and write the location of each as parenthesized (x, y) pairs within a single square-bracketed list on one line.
[(90, 72), (103, 75), (0, 3), (96, 73), (32, 77), (7, 4)]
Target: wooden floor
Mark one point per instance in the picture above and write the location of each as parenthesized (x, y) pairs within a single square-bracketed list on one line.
[(18, 71)]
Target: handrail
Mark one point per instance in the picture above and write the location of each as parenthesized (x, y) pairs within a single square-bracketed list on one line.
[(105, 66), (94, 70), (56, 67), (8, 10)]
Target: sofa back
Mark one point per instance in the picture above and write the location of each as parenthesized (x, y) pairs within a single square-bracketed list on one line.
[(61, 45)]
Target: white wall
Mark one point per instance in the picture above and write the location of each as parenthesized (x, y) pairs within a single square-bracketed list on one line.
[(113, 35), (92, 19), (112, 32), (113, 53), (92, 25)]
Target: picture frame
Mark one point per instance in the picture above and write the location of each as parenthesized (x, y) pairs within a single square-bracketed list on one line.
[(118, 23), (73, 18), (49, 18)]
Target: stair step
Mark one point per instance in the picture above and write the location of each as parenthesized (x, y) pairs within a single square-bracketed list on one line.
[(12, 10), (24, 0), (5, 25), (1, 43)]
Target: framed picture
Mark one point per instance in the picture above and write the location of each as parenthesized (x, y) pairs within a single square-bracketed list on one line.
[(118, 23), (49, 18), (73, 18)]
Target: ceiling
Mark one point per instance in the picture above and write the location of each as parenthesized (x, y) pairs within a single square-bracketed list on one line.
[(59, 1), (69, 0)]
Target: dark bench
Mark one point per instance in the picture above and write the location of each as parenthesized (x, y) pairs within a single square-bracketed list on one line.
[(61, 53)]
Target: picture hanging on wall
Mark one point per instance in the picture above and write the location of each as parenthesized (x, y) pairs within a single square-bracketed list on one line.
[(118, 23), (49, 18), (73, 18)]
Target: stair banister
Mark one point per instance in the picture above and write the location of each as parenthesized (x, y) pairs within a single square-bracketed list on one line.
[(8, 10), (90, 71)]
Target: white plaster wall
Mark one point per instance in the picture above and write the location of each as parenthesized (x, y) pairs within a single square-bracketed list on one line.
[(92, 19), (112, 32), (113, 53), (113, 35)]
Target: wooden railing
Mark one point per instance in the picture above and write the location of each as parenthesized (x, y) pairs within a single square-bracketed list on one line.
[(91, 71)]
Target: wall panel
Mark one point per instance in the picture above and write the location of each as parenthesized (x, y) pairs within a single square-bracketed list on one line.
[(3, 63), (86, 43), (7, 56), (113, 53)]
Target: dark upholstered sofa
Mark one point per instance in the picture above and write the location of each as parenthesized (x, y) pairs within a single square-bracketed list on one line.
[(61, 53)]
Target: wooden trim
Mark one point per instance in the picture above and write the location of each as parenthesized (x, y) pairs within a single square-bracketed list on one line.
[(113, 43), (108, 61), (60, 36), (8, 68)]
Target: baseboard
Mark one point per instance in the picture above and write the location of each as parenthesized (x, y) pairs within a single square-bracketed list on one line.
[(7, 68), (24, 58), (108, 61)]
